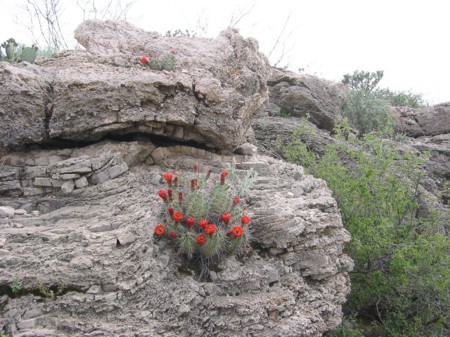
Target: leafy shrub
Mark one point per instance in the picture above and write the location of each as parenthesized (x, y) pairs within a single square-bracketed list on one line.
[(203, 219), (367, 107), (402, 262), (368, 113)]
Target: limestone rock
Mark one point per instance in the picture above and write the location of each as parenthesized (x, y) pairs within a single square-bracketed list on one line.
[(94, 250), (428, 121), (302, 95), (24, 104), (217, 86)]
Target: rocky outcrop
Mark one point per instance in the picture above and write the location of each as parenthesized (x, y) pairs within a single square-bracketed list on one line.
[(302, 95), (217, 86), (89, 265), (428, 121)]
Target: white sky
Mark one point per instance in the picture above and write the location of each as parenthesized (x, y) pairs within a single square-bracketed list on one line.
[(409, 40)]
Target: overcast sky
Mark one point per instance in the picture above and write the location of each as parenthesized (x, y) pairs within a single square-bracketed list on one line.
[(409, 40)]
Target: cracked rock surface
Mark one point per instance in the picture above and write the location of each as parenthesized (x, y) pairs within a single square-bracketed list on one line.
[(217, 86), (89, 265)]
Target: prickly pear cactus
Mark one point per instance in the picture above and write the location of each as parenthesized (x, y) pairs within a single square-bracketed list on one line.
[(28, 54), (168, 62), (15, 53)]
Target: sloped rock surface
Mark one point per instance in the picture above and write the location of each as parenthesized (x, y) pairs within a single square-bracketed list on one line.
[(429, 121), (217, 86), (301, 95), (91, 256)]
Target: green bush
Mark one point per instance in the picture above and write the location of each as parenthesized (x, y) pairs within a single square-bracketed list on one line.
[(368, 113), (368, 107), (402, 262)]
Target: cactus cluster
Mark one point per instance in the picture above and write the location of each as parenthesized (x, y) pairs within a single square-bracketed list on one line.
[(204, 219), (165, 62), (14, 53)]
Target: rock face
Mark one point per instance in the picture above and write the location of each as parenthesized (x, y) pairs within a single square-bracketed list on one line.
[(217, 86), (429, 121), (77, 211), (89, 265), (299, 95)]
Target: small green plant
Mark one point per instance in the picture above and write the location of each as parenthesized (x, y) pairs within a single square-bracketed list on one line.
[(17, 286), (14, 53), (203, 219), (164, 62), (285, 112), (48, 292)]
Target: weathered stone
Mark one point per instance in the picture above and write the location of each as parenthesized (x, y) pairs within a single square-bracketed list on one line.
[(81, 182), (26, 324), (47, 182), (31, 172), (109, 238), (428, 121), (100, 177), (221, 87), (31, 191), (23, 103), (68, 187), (9, 185), (301, 95), (6, 212)]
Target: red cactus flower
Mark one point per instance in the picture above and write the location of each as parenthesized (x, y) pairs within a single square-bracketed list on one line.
[(190, 222), (144, 59), (222, 176), (195, 168), (203, 223), (178, 216), (245, 219), (194, 183), (237, 231), (210, 229), (180, 196), (160, 230), (175, 181), (201, 239), (226, 217), (173, 235), (163, 194), (236, 200), (170, 193), (171, 211), (168, 177)]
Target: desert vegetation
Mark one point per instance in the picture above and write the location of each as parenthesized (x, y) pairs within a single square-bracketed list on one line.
[(401, 279)]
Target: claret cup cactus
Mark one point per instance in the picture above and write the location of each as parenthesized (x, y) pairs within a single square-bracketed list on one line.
[(203, 218)]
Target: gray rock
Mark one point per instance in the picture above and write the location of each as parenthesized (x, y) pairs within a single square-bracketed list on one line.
[(81, 182), (68, 187), (6, 212), (301, 95), (293, 285), (428, 121)]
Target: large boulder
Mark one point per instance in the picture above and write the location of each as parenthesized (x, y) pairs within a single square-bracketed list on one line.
[(428, 121), (209, 98), (301, 95), (24, 104), (88, 264)]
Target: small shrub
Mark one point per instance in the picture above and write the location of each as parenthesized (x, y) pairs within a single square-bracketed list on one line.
[(204, 220), (285, 113), (402, 262), (16, 286), (368, 113)]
